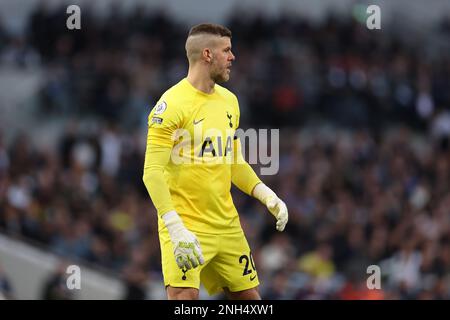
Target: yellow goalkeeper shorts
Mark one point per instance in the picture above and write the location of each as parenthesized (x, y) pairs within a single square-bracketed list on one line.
[(228, 264)]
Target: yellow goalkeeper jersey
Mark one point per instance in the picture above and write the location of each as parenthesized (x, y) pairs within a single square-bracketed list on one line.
[(200, 130)]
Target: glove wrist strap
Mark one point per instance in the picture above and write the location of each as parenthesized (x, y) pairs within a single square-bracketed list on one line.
[(173, 222), (263, 193)]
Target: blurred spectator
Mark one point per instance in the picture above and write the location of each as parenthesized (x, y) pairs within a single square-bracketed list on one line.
[(276, 254), (359, 291), (278, 288), (135, 278), (6, 290), (55, 286), (318, 263)]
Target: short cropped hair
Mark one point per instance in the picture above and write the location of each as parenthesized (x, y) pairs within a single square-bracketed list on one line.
[(210, 28)]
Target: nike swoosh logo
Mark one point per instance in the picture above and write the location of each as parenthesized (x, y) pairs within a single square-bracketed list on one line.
[(197, 122), (253, 278)]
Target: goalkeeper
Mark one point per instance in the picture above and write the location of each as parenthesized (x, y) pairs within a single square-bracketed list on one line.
[(200, 233)]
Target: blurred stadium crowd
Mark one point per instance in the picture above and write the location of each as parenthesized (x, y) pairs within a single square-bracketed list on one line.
[(364, 158)]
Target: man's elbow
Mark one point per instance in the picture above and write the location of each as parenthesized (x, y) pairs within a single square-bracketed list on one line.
[(149, 175), (144, 178)]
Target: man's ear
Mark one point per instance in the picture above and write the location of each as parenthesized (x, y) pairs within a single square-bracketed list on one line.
[(207, 54)]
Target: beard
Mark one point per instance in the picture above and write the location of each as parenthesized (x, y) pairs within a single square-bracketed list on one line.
[(220, 75)]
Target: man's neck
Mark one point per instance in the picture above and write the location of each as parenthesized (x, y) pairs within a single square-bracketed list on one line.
[(200, 82)]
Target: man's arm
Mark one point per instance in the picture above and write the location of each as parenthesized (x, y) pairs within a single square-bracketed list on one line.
[(242, 174), (245, 178), (187, 249), (156, 159)]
